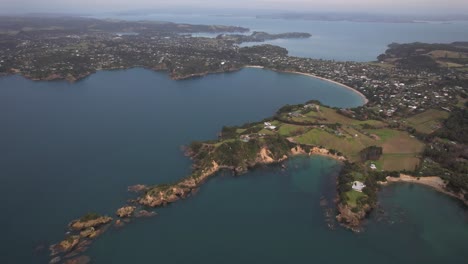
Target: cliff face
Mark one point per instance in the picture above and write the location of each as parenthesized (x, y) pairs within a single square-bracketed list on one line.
[(299, 150), (165, 194), (350, 219), (161, 195), (266, 157)]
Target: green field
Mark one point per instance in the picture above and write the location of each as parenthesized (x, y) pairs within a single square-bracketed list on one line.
[(353, 196), (400, 149), (397, 162), (427, 121), (288, 130), (349, 146), (326, 115), (446, 54)]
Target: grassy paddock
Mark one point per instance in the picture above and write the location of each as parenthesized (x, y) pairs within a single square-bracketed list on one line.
[(353, 196), (427, 121), (397, 162)]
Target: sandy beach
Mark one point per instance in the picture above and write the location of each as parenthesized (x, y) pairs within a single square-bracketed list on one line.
[(335, 82), (254, 66), (317, 77), (434, 182)]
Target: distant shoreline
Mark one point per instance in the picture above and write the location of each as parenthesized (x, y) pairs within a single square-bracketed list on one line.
[(318, 77)]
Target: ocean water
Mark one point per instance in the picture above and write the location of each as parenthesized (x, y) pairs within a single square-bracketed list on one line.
[(67, 149), (342, 40)]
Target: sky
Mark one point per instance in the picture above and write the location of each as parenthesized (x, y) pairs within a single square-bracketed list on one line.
[(356, 6)]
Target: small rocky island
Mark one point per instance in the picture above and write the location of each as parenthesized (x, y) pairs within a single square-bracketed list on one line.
[(413, 127), (361, 145), (82, 231), (79, 237)]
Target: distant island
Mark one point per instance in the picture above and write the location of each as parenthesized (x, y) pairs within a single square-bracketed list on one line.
[(412, 128), (261, 36), (365, 17)]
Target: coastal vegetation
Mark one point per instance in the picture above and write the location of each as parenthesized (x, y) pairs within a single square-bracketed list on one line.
[(427, 56), (428, 121), (261, 36), (370, 149), (414, 122), (89, 216), (370, 152)]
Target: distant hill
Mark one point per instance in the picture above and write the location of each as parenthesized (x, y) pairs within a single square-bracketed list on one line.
[(423, 55)]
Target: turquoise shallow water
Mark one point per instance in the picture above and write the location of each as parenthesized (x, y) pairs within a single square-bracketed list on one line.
[(67, 149)]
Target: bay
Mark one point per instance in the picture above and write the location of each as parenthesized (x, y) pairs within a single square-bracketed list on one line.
[(72, 148), (67, 149), (331, 40)]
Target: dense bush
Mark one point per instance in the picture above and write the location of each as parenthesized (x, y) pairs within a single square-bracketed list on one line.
[(456, 126)]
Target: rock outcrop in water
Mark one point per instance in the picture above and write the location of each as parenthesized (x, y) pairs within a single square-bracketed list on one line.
[(161, 195), (164, 194), (89, 220), (125, 211), (81, 232), (137, 188), (350, 218), (65, 245), (144, 213)]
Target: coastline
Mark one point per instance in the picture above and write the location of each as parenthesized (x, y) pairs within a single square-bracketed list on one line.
[(334, 82), (316, 77), (434, 182), (72, 79), (315, 151)]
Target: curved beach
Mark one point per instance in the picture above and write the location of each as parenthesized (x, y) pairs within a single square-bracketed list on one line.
[(434, 182), (320, 78)]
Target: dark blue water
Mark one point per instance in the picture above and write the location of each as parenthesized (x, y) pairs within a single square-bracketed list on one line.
[(70, 148), (330, 40), (67, 149)]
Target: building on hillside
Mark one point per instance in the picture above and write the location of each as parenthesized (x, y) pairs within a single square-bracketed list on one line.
[(358, 186), (245, 138)]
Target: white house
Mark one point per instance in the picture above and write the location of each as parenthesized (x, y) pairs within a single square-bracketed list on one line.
[(373, 167), (269, 126), (358, 186)]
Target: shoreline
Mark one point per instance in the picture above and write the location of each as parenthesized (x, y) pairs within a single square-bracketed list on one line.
[(315, 151), (316, 77), (73, 79), (334, 82), (434, 182)]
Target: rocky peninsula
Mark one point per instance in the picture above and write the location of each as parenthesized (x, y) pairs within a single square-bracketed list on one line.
[(80, 235), (304, 129), (414, 120)]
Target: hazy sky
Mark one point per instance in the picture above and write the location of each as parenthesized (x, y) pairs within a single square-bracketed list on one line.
[(382, 6)]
